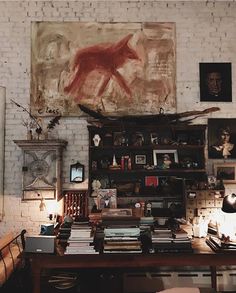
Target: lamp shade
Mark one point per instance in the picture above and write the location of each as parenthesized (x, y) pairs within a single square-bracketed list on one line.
[(229, 203)]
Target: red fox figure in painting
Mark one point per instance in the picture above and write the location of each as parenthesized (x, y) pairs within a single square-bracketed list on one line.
[(104, 59)]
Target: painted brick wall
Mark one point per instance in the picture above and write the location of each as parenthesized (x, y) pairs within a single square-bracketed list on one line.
[(205, 32)]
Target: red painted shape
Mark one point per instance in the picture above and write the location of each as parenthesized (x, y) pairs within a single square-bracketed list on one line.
[(105, 59)]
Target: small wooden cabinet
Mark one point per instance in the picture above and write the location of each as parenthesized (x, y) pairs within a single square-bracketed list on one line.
[(41, 171), (146, 162)]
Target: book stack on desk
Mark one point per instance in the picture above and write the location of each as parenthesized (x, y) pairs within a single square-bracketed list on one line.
[(164, 240), (80, 240), (146, 222), (122, 240), (64, 232), (218, 245)]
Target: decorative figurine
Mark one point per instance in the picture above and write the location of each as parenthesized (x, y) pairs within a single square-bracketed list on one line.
[(96, 139)]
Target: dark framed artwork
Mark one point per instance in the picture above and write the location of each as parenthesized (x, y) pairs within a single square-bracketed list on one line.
[(215, 82), (226, 172), (222, 138)]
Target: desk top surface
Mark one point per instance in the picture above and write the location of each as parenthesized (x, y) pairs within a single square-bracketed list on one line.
[(201, 256)]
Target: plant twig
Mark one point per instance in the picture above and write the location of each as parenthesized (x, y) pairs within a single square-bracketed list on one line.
[(39, 128)]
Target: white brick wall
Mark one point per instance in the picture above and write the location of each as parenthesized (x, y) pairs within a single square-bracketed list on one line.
[(205, 32)]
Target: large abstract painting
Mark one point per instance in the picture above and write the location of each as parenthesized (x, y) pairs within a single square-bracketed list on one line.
[(114, 68)]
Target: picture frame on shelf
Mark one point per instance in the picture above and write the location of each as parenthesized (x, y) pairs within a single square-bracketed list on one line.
[(137, 138), (225, 172), (107, 198), (140, 159), (119, 138), (164, 158)]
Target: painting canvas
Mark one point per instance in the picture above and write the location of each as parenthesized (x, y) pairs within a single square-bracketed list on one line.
[(114, 68), (222, 138), (226, 172), (215, 82)]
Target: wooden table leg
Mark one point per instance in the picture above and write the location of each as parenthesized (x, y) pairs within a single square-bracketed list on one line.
[(213, 278), (36, 273)]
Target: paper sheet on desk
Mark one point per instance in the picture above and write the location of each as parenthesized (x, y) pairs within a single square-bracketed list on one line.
[(180, 290)]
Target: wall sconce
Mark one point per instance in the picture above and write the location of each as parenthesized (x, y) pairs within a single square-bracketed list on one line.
[(77, 173)]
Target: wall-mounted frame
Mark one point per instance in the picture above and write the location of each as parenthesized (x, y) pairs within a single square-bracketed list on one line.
[(159, 156), (226, 172), (215, 82), (126, 74), (41, 171), (222, 138), (77, 173), (140, 159)]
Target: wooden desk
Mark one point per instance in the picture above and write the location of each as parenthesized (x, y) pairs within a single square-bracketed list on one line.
[(202, 256)]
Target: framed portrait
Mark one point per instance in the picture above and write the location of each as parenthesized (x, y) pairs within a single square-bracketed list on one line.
[(215, 82), (222, 138), (119, 139), (140, 159), (164, 158), (137, 139), (226, 172), (107, 198)]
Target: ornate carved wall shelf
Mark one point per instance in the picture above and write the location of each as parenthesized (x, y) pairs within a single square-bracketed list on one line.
[(41, 171)]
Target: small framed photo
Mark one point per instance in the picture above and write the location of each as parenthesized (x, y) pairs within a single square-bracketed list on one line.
[(119, 139), (137, 139), (226, 172), (107, 198), (140, 159), (215, 82), (164, 158)]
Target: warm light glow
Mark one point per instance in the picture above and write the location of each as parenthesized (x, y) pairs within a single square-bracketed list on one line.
[(226, 224), (52, 207)]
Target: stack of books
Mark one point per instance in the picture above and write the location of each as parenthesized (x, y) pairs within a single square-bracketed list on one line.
[(122, 240), (146, 222), (64, 233), (165, 240), (81, 239), (218, 245)]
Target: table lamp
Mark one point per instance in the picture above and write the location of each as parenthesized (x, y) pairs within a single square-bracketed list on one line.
[(229, 203)]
